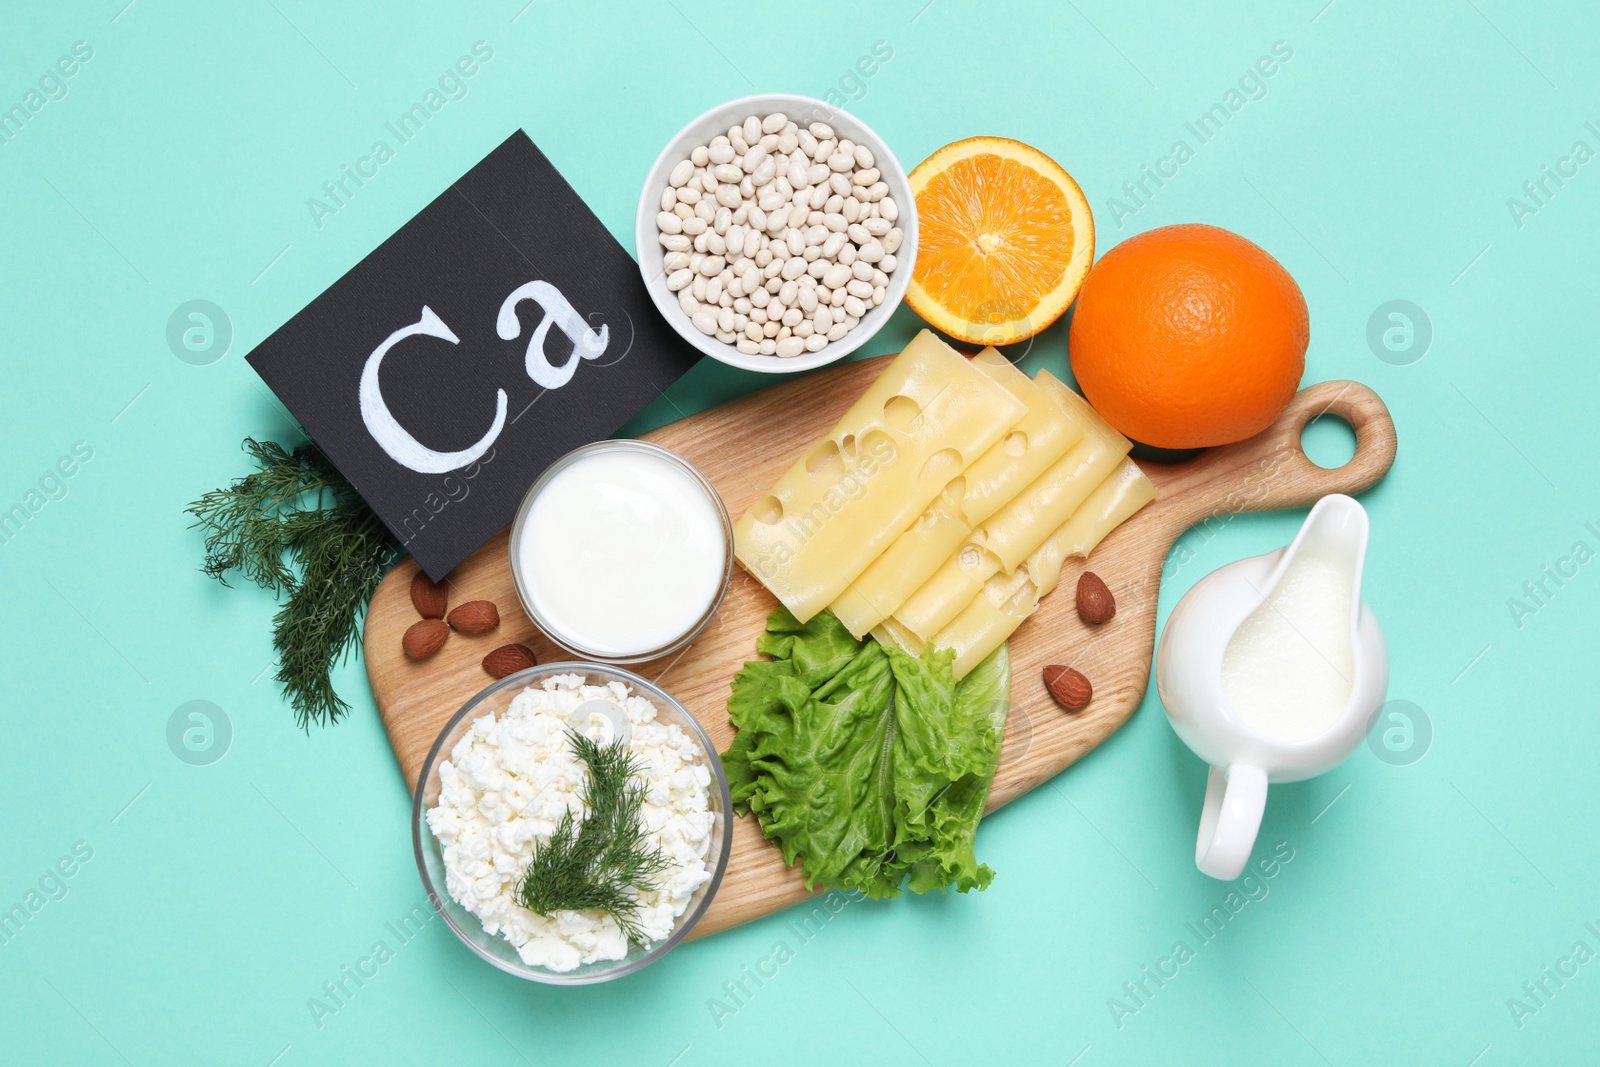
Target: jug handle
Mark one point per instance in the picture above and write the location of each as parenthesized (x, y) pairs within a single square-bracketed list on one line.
[(1230, 819)]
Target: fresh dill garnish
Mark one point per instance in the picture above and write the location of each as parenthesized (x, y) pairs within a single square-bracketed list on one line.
[(298, 528), (604, 861)]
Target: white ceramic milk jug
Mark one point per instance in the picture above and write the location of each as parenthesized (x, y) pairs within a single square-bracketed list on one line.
[(1271, 669)]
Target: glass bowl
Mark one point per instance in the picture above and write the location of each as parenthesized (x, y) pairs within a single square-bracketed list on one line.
[(520, 582), (430, 858)]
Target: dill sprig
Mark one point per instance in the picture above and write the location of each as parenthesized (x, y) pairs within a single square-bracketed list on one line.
[(603, 862), (297, 527)]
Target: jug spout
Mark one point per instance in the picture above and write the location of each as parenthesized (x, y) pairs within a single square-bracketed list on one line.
[(1290, 669), (1336, 530)]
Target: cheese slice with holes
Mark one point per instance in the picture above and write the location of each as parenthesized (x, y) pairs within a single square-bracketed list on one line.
[(1029, 448), (917, 427), (1041, 508), (1011, 534)]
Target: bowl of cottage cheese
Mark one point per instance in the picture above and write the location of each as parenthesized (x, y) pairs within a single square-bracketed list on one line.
[(498, 782)]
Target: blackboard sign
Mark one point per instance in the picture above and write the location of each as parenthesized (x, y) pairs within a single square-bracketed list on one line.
[(498, 329)]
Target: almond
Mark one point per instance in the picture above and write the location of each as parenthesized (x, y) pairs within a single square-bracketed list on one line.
[(430, 598), (425, 638), (1070, 688), (509, 659), (1096, 605), (475, 617)]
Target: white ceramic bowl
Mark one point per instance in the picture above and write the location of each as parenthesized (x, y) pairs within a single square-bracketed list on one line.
[(804, 110)]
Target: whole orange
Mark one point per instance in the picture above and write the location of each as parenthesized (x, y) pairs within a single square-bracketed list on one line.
[(1189, 336)]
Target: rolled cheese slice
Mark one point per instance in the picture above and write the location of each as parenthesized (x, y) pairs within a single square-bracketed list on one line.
[(1007, 600), (941, 597), (1109, 506)]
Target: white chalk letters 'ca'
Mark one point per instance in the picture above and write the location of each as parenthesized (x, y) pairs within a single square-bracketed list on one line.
[(586, 343), (405, 449)]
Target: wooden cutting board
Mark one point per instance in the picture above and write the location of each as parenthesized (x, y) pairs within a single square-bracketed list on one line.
[(742, 447)]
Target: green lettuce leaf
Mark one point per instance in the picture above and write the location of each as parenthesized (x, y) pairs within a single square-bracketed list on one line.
[(949, 749), (864, 764)]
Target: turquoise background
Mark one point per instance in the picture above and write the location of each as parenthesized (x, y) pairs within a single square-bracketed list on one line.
[(1421, 896)]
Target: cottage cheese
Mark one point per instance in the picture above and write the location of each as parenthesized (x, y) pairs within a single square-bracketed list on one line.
[(505, 787)]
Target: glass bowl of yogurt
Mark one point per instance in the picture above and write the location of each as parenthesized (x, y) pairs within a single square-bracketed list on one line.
[(493, 789), (622, 551)]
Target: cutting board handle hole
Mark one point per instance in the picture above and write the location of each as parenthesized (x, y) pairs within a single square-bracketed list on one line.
[(1328, 440)]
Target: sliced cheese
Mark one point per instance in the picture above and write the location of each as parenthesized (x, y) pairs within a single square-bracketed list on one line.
[(892, 635), (951, 588), (1041, 508), (906, 563), (1109, 506), (1021, 526), (1051, 426), (994, 614), (917, 427), (1039, 440), (1007, 600)]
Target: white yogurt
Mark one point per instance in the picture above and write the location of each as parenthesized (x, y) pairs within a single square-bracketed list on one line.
[(622, 552)]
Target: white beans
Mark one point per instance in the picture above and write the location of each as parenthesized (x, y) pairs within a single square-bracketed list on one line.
[(836, 276), (778, 239)]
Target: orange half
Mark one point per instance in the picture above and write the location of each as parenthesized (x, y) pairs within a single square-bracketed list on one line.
[(1005, 238)]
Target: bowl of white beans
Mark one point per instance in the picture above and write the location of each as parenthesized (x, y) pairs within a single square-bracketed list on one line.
[(776, 233)]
